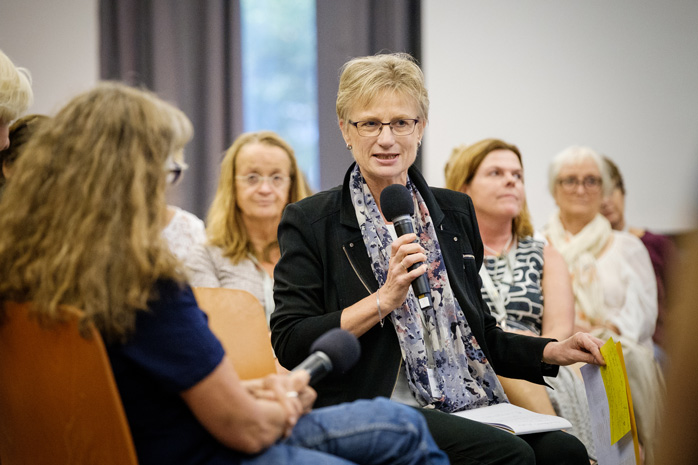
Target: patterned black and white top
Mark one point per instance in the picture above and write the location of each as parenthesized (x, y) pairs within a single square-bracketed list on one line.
[(517, 277)]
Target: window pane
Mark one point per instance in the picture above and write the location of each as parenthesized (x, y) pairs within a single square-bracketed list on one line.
[(279, 75)]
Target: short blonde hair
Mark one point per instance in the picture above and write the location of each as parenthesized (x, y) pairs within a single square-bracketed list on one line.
[(576, 154), (81, 219), (463, 165), (363, 78), (225, 228), (15, 90)]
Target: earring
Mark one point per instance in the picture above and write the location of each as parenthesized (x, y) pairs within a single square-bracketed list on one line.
[(349, 147), (419, 143)]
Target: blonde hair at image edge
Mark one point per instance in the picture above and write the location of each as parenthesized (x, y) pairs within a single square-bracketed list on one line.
[(15, 90)]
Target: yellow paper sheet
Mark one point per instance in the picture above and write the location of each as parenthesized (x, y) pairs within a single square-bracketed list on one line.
[(616, 391), (633, 425)]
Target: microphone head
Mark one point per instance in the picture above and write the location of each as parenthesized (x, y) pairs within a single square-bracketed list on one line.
[(396, 201), (340, 346)]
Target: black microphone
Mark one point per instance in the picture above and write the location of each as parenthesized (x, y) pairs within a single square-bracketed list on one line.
[(337, 350), (397, 206)]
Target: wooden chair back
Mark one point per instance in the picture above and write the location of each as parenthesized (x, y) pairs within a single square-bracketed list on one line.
[(237, 318), (59, 403)]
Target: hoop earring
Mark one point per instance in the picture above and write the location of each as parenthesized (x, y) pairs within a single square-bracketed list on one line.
[(419, 143)]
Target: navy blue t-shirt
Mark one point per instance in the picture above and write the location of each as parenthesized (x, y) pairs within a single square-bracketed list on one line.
[(171, 350)]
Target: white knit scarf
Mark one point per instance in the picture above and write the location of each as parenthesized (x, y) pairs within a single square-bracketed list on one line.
[(581, 251)]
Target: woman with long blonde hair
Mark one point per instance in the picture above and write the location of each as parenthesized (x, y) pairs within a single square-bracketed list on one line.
[(81, 224), (259, 177)]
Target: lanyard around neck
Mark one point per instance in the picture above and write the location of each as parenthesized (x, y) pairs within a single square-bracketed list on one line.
[(496, 297)]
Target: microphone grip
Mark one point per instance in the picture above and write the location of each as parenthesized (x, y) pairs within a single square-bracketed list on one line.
[(318, 364), (403, 225), (421, 289)]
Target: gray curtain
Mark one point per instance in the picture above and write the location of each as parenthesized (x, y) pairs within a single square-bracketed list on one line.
[(348, 29), (188, 52)]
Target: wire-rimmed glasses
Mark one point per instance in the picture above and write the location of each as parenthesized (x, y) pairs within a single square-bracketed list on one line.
[(254, 180)]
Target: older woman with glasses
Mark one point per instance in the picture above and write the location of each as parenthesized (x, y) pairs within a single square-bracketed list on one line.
[(343, 265), (612, 277), (259, 177)]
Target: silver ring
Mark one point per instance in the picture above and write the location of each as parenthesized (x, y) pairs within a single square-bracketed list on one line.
[(292, 394)]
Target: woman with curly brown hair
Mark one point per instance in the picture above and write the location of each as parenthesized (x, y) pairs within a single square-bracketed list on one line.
[(81, 223)]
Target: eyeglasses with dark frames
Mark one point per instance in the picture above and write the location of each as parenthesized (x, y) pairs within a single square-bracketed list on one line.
[(372, 128)]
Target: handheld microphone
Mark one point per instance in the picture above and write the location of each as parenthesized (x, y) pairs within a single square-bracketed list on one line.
[(397, 206), (337, 350)]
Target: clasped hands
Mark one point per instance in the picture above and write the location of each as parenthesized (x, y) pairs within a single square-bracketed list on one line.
[(291, 391)]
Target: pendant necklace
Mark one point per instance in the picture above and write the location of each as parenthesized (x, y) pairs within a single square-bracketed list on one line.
[(504, 250)]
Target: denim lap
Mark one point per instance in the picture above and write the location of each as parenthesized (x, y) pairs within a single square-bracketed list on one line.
[(371, 432), (283, 454)]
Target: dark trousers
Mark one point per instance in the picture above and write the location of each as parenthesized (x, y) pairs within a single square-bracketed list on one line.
[(472, 443)]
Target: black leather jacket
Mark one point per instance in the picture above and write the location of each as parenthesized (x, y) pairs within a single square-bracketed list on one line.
[(324, 268)]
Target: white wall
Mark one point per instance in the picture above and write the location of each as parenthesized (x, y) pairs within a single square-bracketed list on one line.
[(620, 76), (57, 42)]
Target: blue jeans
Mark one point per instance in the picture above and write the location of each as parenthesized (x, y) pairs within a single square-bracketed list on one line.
[(367, 432)]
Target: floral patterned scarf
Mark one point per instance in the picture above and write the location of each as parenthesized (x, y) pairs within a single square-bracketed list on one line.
[(445, 365)]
